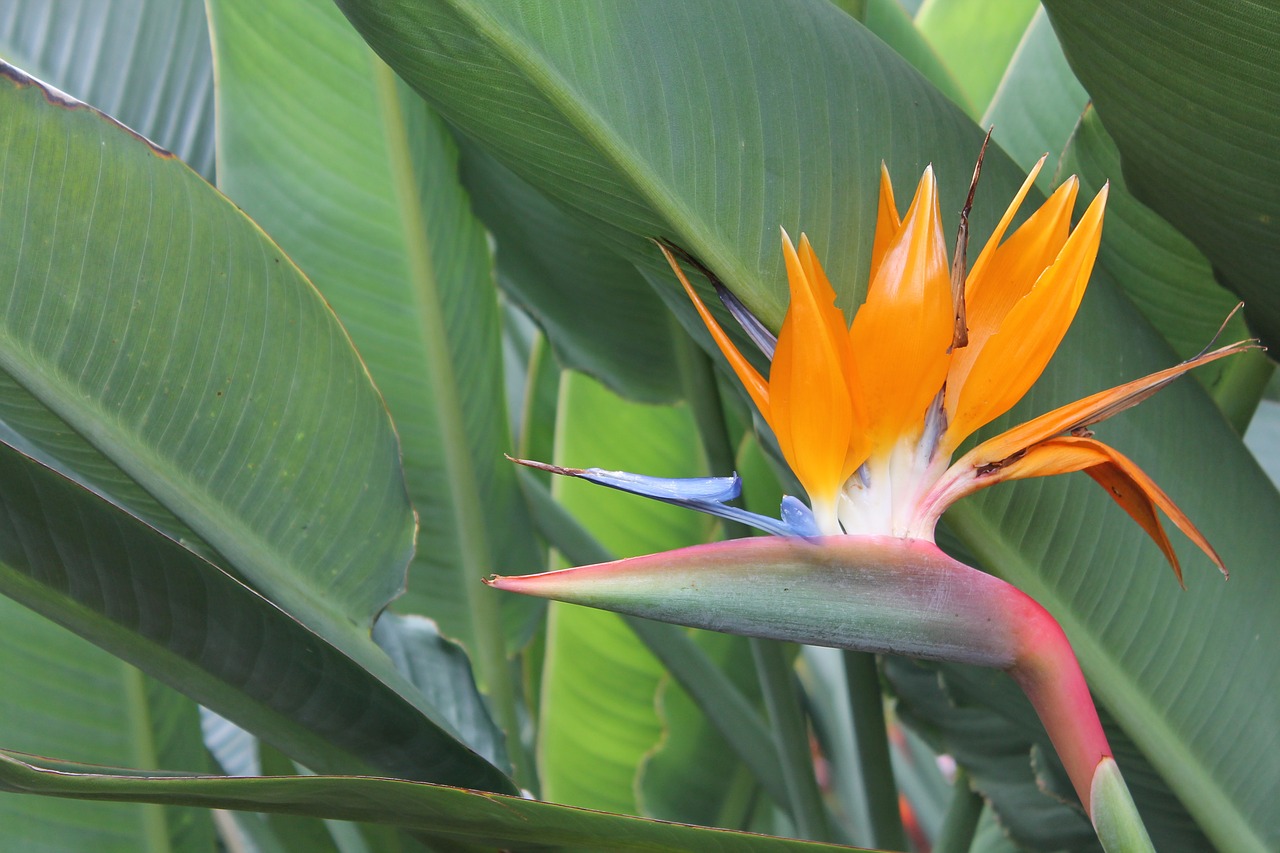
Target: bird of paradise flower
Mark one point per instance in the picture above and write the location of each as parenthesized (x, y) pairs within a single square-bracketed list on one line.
[(868, 416)]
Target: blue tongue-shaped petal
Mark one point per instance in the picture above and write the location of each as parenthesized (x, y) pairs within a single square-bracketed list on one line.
[(704, 494)]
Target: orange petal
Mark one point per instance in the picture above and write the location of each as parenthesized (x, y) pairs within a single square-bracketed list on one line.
[(747, 375), (1090, 410), (1011, 360), (993, 243), (811, 410), (901, 334), (887, 222), (1010, 273), (1124, 481)]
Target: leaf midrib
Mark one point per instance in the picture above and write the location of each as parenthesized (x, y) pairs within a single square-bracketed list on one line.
[(558, 92), (476, 561)]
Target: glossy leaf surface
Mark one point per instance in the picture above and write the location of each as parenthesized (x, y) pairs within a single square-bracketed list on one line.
[(389, 240)]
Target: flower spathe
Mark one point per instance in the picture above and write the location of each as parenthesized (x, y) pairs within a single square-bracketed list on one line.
[(868, 414)]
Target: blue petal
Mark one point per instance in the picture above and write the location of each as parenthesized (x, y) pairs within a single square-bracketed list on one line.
[(684, 490), (705, 494), (759, 333), (798, 516)]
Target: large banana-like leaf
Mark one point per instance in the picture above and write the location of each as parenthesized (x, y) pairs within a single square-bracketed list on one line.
[(388, 238), (713, 127), (145, 62), (554, 271), (109, 577), (1187, 89), (1169, 280), (73, 43), (608, 110), (161, 351), (457, 819), (1038, 102)]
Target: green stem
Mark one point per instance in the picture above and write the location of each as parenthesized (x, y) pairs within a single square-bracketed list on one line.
[(961, 822), (791, 736), (741, 794), (773, 668), (1115, 818), (866, 706)]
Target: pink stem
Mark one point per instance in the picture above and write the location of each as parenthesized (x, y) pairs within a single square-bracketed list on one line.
[(1046, 669)]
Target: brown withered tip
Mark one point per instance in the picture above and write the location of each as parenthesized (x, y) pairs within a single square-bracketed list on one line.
[(58, 98), (959, 263)]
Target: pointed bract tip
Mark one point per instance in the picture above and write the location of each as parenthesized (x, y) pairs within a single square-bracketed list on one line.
[(543, 466)]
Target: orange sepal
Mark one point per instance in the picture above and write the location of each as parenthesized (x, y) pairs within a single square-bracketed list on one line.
[(750, 378), (1124, 481), (888, 223), (1090, 410), (1012, 359), (901, 334), (812, 411), (1009, 273)]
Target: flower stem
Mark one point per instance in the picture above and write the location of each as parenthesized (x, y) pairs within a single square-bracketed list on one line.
[(963, 813), (1115, 818), (867, 710), (1046, 669), (791, 736)]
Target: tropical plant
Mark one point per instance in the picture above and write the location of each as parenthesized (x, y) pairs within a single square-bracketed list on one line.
[(226, 414)]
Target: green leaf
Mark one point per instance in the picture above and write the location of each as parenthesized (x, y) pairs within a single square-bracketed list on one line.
[(888, 20), (1041, 108), (441, 670), (449, 815), (389, 240), (1038, 103), (578, 291), (83, 563), (596, 668), (215, 391), (145, 62), (976, 39), (117, 715), (272, 479), (604, 109), (1186, 90)]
